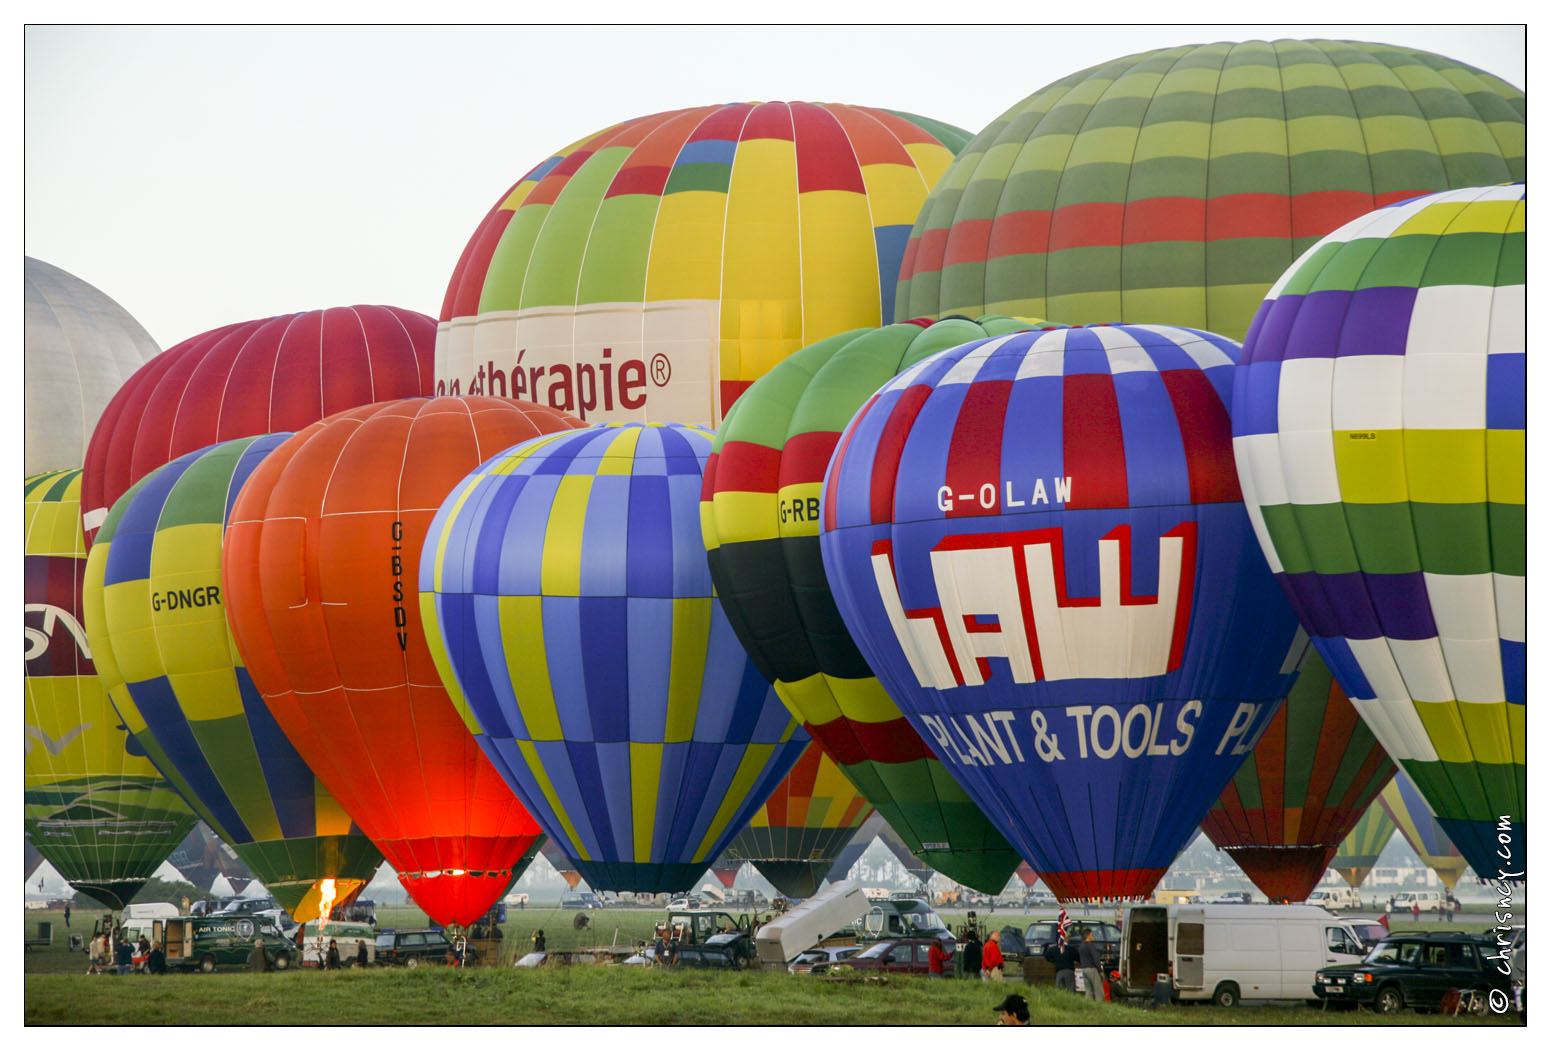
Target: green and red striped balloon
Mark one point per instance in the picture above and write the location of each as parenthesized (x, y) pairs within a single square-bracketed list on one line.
[(1174, 186), (1360, 850), (1313, 774)]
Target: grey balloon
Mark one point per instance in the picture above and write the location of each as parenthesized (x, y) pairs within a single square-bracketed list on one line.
[(80, 347)]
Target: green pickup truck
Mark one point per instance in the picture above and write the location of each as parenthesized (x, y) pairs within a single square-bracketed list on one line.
[(208, 942)]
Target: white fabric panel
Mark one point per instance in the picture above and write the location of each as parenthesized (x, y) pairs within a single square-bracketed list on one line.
[(1249, 485), (1475, 669), (1385, 221), (1398, 728), (1367, 393), (1510, 606), (1446, 391), (1508, 319), (968, 367), (1202, 352), (1309, 467), (1450, 319), (1046, 356), (906, 378), (1124, 352), (1423, 668), (1464, 606), (1303, 394), (1378, 665)]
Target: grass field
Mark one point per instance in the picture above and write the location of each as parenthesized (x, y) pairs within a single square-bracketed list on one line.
[(57, 992)]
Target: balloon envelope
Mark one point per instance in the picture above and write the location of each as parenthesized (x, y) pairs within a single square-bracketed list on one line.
[(1379, 428), (156, 617), (319, 567), (250, 378), (1174, 186), (1360, 850), (1037, 541), (565, 594), (760, 524), (79, 347), (1316, 770), (1423, 832), (94, 806), (794, 838), (654, 270)]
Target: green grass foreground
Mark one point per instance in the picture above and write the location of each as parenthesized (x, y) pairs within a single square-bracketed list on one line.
[(598, 995)]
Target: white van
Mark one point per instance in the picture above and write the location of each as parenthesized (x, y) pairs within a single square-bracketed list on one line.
[(1426, 900), (1228, 953), (1336, 898)]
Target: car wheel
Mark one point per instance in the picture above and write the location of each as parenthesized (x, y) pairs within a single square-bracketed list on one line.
[(1479, 1001), (412, 962), (1226, 995), (1389, 1001), (282, 960), (207, 963)]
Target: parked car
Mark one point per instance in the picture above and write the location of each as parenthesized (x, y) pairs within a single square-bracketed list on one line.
[(680, 904), (1415, 970), (730, 949), (890, 956), (1040, 899), (1426, 900), (411, 947), (1040, 934), (804, 962), (1336, 898), (1232, 897), (582, 900)]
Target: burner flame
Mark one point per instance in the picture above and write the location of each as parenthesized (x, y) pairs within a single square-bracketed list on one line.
[(327, 893)]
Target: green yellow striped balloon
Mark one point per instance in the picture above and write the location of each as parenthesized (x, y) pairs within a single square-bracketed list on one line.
[(94, 806), (156, 617), (1360, 850), (1173, 187)]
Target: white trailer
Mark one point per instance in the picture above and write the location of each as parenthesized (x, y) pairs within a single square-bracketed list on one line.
[(806, 925), (1228, 953)]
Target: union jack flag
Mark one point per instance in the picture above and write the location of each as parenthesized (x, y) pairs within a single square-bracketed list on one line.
[(1061, 925)]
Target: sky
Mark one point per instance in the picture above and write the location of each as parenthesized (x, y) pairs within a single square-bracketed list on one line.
[(202, 176)]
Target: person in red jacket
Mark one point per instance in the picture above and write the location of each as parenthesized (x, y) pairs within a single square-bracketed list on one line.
[(991, 958), (937, 956)]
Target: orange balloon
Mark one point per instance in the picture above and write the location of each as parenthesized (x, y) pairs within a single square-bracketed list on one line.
[(320, 562)]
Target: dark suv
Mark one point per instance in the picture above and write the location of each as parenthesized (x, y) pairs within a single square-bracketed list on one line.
[(1416, 970), (1041, 934), (411, 948)]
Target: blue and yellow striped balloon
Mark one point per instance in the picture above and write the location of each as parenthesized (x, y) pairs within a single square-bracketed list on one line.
[(567, 601), (156, 618)]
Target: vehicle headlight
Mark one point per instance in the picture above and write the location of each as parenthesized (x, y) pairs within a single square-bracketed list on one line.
[(1367, 977)]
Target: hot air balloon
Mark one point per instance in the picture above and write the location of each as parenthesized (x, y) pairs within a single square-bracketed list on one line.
[(319, 563), (654, 270), (1316, 770), (760, 523), (562, 864), (251, 378), (870, 829), (1038, 543), (156, 619), (1360, 850), (1379, 427), (1422, 830), (1174, 186), (79, 347), (794, 838), (565, 595), (94, 806)]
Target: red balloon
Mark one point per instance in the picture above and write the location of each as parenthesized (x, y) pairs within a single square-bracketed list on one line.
[(321, 560), (253, 377)]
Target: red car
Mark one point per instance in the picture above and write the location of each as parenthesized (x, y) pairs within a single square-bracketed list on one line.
[(891, 956)]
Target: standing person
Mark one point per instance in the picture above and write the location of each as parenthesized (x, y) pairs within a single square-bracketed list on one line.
[(258, 959), (361, 959), (156, 962), (1014, 1009), (538, 940), (93, 954), (936, 957), (1088, 960), (331, 958), (971, 954), (67, 914), (991, 958), (123, 955), (142, 953)]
